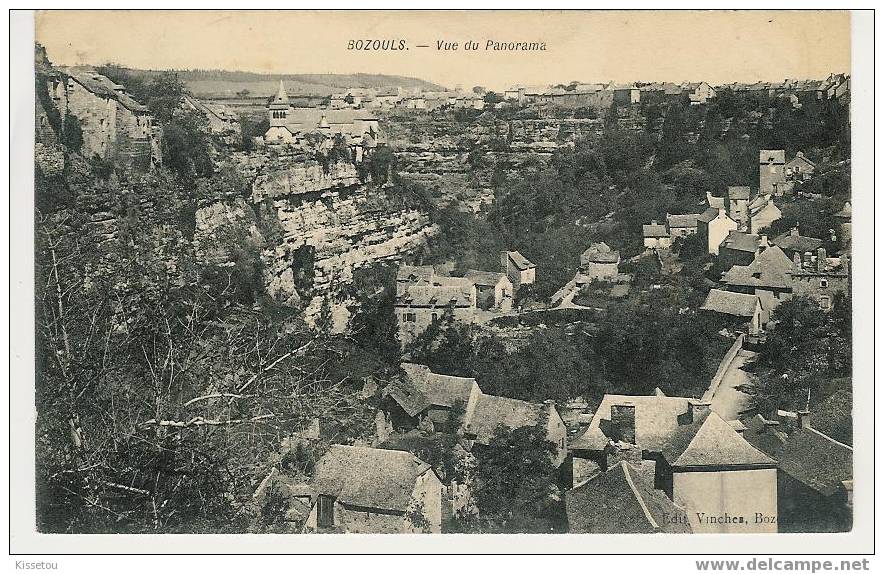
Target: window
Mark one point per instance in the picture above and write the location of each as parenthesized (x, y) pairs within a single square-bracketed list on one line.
[(824, 283), (325, 511), (825, 302), (435, 316)]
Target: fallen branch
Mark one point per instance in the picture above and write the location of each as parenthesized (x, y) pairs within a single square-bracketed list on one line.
[(216, 396), (200, 421), (262, 370)]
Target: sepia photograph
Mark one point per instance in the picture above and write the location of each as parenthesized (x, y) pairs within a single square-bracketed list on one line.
[(438, 272)]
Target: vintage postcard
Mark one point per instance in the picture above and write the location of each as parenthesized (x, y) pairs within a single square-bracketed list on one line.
[(404, 272)]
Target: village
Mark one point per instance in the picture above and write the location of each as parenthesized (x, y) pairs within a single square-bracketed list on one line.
[(441, 452)]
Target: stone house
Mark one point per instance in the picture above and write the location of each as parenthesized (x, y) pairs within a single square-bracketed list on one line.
[(771, 172), (820, 278), (423, 397), (713, 225), (700, 462), (423, 297), (114, 125), (799, 168), (750, 307), (681, 225), (494, 291), (655, 236), (627, 95), (740, 248), (814, 478), (222, 122), (762, 212), (699, 92), (599, 262), (426, 397), (768, 275), (517, 268), (374, 491)]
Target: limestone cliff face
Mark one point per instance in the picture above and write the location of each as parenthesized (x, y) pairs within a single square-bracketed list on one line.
[(316, 224)]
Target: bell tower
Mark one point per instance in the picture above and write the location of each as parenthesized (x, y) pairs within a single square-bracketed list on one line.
[(279, 107)]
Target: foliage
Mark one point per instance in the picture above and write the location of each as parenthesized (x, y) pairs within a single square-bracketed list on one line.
[(804, 351), (185, 146), (72, 133)]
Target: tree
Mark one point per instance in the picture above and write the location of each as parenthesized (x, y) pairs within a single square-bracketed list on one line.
[(515, 484), (72, 133), (493, 98)]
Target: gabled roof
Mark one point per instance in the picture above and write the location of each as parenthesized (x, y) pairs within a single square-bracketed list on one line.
[(369, 477), (655, 418), (729, 303), (678, 221), (493, 411), (711, 442), (654, 230), (435, 295), (770, 268), (438, 390), (764, 435), (415, 273), (800, 157), (519, 260), (739, 241), (816, 460), (622, 501), (715, 202), (485, 278), (708, 215), (794, 242)]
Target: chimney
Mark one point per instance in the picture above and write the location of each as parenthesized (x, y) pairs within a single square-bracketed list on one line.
[(794, 232), (796, 260), (821, 259), (804, 419), (623, 423), (653, 222), (698, 409), (721, 212)]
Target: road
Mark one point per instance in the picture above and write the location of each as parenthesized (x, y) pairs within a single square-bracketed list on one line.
[(727, 401)]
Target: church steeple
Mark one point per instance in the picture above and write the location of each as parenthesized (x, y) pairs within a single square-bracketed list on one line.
[(279, 107)]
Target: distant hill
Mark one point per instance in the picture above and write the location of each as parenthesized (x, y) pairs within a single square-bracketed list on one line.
[(222, 83)]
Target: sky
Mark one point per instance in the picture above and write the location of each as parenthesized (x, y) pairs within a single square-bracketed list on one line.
[(623, 46)]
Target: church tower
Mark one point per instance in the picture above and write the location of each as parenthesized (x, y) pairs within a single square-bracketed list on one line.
[(279, 107)]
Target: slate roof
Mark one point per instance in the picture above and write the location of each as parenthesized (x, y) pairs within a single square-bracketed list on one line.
[(770, 268), (708, 215), (738, 192), (654, 230), (655, 418), (689, 220), (408, 397), (772, 155), (799, 243), (484, 278), (519, 260), (600, 253), (729, 303), (493, 411), (739, 241), (438, 390), (763, 436), (415, 273), (816, 460), (715, 202), (710, 441), (369, 477), (422, 295), (104, 86), (621, 501), (833, 416)]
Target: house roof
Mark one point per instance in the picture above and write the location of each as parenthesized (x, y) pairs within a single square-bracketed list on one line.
[(654, 230), (407, 396), (816, 460), (438, 390), (729, 303), (708, 215), (600, 253), (764, 435), (493, 411), (655, 418), (435, 295), (794, 242), (710, 441), (739, 241), (738, 192), (715, 202), (621, 501), (770, 268), (845, 211), (369, 477), (104, 86), (772, 156), (801, 158), (485, 278), (519, 260), (833, 416), (414, 273), (688, 220)]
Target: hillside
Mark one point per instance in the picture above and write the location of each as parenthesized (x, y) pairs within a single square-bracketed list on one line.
[(223, 83)]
